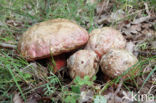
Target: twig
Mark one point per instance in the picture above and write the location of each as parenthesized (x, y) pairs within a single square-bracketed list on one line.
[(145, 53), (104, 5), (117, 90), (119, 87), (8, 46), (147, 9), (140, 20)]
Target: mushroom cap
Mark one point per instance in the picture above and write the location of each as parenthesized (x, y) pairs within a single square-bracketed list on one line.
[(104, 39), (51, 37), (117, 61), (83, 63)]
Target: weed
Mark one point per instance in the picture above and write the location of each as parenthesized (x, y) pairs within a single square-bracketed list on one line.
[(143, 45), (73, 95)]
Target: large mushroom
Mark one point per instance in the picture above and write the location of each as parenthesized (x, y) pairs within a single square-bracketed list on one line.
[(52, 37), (117, 61), (83, 63), (104, 39)]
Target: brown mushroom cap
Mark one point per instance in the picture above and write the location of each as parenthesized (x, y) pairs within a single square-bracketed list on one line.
[(117, 61), (51, 37), (104, 39), (83, 63)]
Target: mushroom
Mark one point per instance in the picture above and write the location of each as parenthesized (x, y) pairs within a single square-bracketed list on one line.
[(117, 61), (104, 39), (52, 37), (83, 63)]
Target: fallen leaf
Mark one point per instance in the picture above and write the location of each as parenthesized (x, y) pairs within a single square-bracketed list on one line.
[(86, 96), (117, 15), (103, 6), (36, 70), (17, 98), (140, 20), (153, 44)]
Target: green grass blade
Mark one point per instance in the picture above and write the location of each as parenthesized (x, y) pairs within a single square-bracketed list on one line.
[(149, 75), (14, 78)]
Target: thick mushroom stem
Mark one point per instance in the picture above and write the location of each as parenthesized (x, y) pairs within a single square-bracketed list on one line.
[(60, 62), (57, 62)]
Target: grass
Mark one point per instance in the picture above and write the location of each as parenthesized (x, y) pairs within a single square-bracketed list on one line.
[(17, 75), (11, 72)]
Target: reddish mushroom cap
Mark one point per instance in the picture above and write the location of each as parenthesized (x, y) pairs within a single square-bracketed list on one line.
[(51, 37), (83, 63), (104, 39)]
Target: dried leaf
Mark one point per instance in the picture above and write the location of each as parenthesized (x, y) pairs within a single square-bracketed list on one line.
[(113, 17), (153, 44), (117, 15), (17, 99), (102, 6), (140, 20), (33, 98), (86, 96), (36, 70)]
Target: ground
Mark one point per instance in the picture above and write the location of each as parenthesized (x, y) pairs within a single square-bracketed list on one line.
[(22, 81)]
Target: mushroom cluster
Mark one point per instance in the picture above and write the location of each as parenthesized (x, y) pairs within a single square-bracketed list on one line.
[(110, 44), (59, 36)]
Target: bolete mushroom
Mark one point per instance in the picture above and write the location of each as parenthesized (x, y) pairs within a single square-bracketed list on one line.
[(104, 39), (52, 37), (117, 61), (83, 63)]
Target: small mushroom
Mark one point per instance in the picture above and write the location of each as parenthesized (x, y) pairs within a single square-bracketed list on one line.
[(117, 61), (52, 37), (104, 39), (83, 63)]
